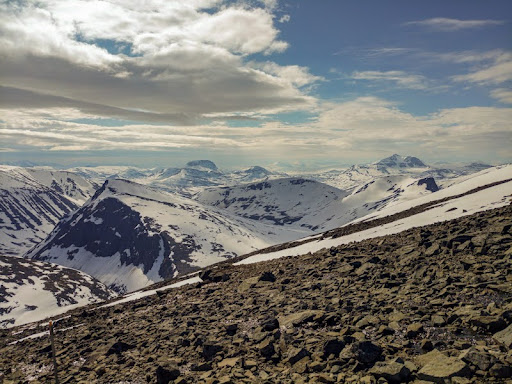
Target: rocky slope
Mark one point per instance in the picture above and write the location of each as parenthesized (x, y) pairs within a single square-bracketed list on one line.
[(32, 290), (428, 305)]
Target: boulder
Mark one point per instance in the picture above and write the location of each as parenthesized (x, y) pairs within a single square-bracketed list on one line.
[(414, 330), (267, 276), (299, 318), (165, 375), (266, 348), (297, 354), (392, 371), (505, 336), (443, 368), (366, 352), (333, 347), (478, 357)]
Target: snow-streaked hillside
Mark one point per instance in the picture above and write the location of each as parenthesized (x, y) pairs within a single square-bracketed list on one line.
[(32, 201), (284, 202), (73, 186), (31, 290), (130, 235), (98, 174), (310, 205), (491, 188)]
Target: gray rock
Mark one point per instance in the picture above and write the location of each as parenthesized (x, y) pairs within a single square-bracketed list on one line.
[(478, 357), (333, 347)]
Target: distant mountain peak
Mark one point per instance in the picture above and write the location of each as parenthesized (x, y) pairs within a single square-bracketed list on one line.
[(202, 163), (257, 168), (398, 161)]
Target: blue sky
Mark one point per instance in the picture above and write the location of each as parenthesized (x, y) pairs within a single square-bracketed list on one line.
[(283, 84)]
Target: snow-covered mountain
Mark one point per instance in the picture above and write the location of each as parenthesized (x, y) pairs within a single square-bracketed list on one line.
[(357, 175), (490, 188), (32, 290), (400, 162), (292, 202), (129, 236), (32, 201), (309, 205), (73, 186), (98, 174)]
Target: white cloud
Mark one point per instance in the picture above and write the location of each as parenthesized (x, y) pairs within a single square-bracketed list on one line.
[(185, 58), (238, 30), (270, 4), (370, 125), (463, 57), (284, 19), (498, 72), (297, 75), (485, 67), (444, 24), (503, 95)]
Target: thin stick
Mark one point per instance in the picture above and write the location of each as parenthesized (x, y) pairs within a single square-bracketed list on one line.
[(54, 354)]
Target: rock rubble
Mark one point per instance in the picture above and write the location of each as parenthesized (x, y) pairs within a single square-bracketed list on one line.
[(428, 305)]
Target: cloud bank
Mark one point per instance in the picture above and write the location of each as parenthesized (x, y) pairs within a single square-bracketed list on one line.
[(160, 57), (356, 129)]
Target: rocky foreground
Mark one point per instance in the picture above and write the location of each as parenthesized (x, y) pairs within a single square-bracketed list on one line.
[(429, 305)]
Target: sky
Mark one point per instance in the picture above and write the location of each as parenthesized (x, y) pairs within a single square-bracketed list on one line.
[(299, 84)]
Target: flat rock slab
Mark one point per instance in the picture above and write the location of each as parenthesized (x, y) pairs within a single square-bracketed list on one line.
[(505, 336), (443, 368)]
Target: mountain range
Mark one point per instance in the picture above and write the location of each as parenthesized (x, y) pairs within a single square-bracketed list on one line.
[(143, 226)]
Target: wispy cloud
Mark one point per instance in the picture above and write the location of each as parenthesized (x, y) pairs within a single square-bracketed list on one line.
[(503, 95), (284, 19), (399, 78), (444, 24), (497, 72)]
